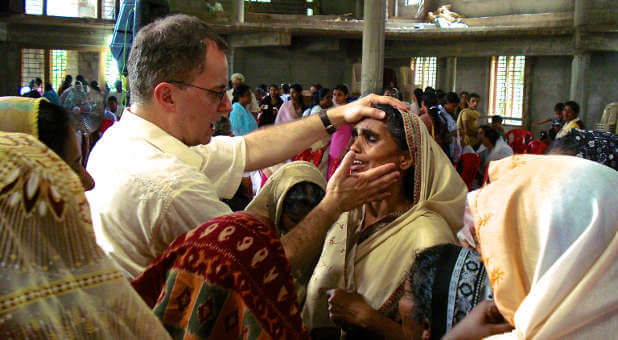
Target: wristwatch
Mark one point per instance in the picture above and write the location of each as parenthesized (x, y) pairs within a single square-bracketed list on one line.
[(330, 128)]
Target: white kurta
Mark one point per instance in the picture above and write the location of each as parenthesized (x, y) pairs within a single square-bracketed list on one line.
[(151, 188)]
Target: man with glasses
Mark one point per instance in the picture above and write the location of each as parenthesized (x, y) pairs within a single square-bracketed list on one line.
[(160, 174)]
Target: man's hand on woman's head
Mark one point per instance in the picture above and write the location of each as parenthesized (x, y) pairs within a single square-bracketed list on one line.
[(362, 108), (347, 191)]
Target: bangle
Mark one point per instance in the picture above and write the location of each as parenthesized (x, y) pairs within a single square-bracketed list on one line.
[(330, 128)]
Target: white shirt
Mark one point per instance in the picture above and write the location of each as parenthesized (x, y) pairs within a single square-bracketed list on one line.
[(314, 110), (251, 107), (151, 188), (500, 150)]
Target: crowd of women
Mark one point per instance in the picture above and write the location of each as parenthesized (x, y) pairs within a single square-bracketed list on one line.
[(531, 255)]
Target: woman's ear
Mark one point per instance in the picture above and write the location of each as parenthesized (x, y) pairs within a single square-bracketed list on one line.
[(405, 160), (426, 335)]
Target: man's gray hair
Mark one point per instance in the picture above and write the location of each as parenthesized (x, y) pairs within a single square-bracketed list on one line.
[(171, 48)]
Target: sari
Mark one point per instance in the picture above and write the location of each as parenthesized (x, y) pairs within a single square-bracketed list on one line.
[(288, 113), (55, 282), (376, 267), (269, 201), (20, 114), (568, 126), (460, 283), (241, 120), (467, 123), (226, 279), (548, 241)]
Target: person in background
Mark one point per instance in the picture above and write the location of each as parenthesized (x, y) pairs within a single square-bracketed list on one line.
[(417, 101), (241, 120), (601, 147), (68, 82), (292, 109), (463, 96), (340, 95), (491, 141), (118, 93), (570, 114), (314, 88), (34, 92), (451, 106), (496, 124), (111, 110), (467, 122), (269, 106), (238, 79), (285, 92), (56, 282), (558, 108), (50, 94), (325, 101), (259, 94)]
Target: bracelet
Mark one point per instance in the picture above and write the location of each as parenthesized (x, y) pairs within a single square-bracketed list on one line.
[(330, 128)]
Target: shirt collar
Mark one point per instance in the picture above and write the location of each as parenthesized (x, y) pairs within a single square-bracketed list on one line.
[(143, 129)]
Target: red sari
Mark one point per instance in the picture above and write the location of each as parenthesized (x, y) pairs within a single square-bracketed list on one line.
[(226, 279)]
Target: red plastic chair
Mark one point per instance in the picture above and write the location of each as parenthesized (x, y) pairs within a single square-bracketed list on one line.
[(518, 140), (468, 166), (537, 147)]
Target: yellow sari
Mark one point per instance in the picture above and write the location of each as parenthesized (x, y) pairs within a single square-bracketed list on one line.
[(376, 267), (467, 123), (548, 241)]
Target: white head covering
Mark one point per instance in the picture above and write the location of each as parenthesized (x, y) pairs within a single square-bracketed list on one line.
[(548, 241), (237, 76)]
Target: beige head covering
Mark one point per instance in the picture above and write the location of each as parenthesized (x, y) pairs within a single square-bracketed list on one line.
[(55, 282), (237, 76), (269, 201), (376, 267), (20, 114), (548, 241)]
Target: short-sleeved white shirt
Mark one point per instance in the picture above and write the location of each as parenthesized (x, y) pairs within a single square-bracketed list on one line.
[(150, 188)]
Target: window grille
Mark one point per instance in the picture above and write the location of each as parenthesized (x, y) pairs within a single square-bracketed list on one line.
[(111, 69), (506, 96), (109, 9), (72, 8), (32, 61), (34, 7), (425, 70), (58, 67)]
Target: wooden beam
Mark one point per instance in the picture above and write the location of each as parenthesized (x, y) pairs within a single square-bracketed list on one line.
[(562, 45), (322, 45), (44, 36), (260, 39)]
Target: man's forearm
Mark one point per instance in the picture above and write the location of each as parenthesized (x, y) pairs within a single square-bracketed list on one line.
[(303, 244), (275, 144)]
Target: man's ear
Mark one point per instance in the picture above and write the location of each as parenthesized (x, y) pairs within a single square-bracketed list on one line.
[(164, 96), (426, 335), (405, 160)]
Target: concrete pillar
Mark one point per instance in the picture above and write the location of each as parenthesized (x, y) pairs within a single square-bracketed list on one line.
[(238, 11), (579, 82), (447, 73), (10, 72), (358, 9), (372, 70)]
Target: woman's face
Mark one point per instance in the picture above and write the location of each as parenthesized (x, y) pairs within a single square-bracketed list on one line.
[(73, 157), (273, 91), (374, 146), (568, 114), (411, 328), (327, 101), (295, 95)]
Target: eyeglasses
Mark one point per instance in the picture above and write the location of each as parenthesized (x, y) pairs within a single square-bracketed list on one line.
[(218, 95)]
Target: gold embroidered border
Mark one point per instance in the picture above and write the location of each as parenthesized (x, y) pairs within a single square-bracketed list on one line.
[(32, 294)]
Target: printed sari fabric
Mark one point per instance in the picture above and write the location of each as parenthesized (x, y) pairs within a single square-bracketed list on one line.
[(227, 279)]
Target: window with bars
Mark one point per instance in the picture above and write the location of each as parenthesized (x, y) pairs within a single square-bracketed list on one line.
[(109, 9), (32, 61), (72, 8), (425, 70), (506, 88), (34, 7), (58, 67), (111, 69)]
